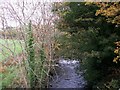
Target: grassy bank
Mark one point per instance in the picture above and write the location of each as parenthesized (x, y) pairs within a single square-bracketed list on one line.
[(9, 52), (10, 47)]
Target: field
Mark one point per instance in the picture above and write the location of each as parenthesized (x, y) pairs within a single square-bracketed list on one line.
[(10, 47), (10, 50)]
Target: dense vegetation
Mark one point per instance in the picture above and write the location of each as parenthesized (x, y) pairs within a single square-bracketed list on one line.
[(10, 50), (89, 32), (90, 35), (22, 63), (35, 61)]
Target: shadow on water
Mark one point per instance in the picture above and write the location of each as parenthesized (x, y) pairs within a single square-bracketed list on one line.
[(66, 76)]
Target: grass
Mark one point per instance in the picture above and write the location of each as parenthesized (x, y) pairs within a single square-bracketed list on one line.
[(12, 76), (7, 77), (9, 48)]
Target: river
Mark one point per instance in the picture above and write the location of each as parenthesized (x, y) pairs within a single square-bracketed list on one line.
[(67, 75)]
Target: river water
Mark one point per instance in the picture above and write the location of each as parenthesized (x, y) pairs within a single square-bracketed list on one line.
[(67, 76)]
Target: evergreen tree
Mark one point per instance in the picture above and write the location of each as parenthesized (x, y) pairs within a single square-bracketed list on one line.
[(87, 37)]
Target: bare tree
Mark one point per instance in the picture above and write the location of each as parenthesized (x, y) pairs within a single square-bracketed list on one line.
[(17, 15)]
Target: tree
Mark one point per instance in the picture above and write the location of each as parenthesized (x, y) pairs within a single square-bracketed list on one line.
[(88, 37), (39, 40), (112, 12)]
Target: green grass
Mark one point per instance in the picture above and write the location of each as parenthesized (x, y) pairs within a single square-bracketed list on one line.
[(7, 48), (7, 77), (10, 47)]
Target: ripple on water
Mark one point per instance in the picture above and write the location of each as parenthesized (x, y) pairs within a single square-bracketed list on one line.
[(67, 77)]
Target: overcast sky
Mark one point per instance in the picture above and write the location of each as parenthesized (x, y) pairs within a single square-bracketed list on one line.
[(12, 17), (14, 11)]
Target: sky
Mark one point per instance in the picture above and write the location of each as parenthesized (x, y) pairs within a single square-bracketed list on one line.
[(29, 8), (31, 0), (12, 14)]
